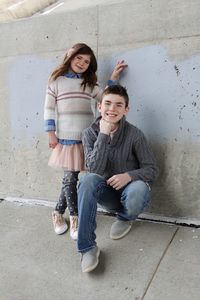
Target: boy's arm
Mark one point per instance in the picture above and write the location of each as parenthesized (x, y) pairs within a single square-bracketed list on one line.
[(96, 151), (147, 170)]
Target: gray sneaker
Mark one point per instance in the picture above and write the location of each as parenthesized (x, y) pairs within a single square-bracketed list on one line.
[(90, 260), (119, 229)]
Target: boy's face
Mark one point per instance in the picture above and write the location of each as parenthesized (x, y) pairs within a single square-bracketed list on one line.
[(112, 108)]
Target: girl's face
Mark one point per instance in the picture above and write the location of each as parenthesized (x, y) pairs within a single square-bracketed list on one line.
[(80, 63)]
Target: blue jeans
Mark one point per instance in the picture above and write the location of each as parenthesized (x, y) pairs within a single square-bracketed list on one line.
[(128, 203)]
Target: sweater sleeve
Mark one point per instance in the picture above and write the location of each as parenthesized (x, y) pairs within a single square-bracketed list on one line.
[(49, 108), (97, 93), (147, 170), (96, 151)]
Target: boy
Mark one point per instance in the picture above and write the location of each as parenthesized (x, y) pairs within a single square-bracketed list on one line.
[(121, 172)]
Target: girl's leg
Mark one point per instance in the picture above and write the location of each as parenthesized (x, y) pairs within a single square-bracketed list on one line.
[(60, 225), (62, 203), (70, 180)]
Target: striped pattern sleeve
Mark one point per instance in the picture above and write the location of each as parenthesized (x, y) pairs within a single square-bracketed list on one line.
[(97, 92), (49, 108)]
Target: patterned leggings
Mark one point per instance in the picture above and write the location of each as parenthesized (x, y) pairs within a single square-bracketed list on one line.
[(68, 195)]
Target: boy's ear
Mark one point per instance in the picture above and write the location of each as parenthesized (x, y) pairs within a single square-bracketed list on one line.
[(99, 107), (126, 110)]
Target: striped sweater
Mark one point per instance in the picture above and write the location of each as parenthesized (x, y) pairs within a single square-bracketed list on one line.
[(68, 108)]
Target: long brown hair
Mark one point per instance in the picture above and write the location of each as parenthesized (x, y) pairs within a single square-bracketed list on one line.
[(89, 76)]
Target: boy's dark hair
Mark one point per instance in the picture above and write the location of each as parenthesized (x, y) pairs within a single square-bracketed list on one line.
[(117, 90)]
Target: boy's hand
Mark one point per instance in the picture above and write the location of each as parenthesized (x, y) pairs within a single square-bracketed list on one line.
[(105, 127), (120, 66), (118, 181), (53, 140)]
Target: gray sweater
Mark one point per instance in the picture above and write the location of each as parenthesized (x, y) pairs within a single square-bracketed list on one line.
[(127, 151)]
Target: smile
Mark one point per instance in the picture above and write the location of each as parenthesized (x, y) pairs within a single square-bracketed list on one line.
[(111, 115)]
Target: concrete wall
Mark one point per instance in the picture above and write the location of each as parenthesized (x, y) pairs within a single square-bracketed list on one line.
[(14, 9), (160, 42)]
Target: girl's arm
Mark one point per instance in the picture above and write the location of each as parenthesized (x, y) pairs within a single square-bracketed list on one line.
[(49, 115), (118, 69)]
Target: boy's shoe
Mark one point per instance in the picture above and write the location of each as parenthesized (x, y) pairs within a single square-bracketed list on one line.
[(60, 226), (90, 260), (119, 229), (73, 227)]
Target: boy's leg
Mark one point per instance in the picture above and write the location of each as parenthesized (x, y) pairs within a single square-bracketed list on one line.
[(93, 189), (87, 207), (134, 198)]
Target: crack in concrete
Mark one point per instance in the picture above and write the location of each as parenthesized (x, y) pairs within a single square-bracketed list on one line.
[(159, 263)]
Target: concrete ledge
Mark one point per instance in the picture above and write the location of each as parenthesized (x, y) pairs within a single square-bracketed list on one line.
[(145, 216)]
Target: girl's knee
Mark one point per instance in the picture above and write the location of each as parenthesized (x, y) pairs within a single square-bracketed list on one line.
[(70, 177)]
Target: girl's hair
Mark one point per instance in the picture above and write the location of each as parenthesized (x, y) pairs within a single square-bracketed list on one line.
[(89, 76)]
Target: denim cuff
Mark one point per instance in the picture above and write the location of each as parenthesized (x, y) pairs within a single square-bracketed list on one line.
[(49, 125), (112, 82)]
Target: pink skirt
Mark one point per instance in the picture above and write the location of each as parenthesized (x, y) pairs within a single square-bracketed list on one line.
[(67, 157)]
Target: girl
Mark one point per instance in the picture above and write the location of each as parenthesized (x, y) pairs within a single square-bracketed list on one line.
[(67, 112)]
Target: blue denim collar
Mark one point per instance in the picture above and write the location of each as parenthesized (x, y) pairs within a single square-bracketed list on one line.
[(72, 75)]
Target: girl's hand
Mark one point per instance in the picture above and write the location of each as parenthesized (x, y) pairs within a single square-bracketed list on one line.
[(118, 181), (53, 140), (120, 66)]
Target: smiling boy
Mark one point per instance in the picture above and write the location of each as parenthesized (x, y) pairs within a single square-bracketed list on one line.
[(121, 172)]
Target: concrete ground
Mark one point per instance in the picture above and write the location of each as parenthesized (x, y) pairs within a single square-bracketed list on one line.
[(153, 262)]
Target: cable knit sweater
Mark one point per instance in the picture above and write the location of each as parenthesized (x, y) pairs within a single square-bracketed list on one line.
[(68, 109), (127, 151)]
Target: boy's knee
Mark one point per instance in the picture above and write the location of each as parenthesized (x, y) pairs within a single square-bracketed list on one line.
[(138, 197), (137, 188), (90, 179)]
